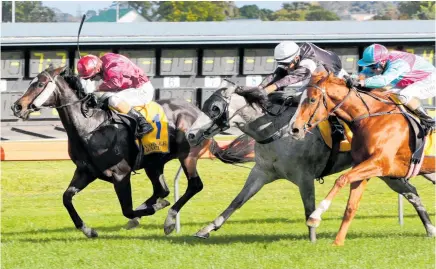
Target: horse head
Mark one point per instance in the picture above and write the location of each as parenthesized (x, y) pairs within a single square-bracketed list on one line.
[(226, 107), (47, 90), (323, 96)]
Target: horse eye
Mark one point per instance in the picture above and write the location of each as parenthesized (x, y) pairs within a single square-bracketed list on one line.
[(312, 100), (215, 111), (40, 84)]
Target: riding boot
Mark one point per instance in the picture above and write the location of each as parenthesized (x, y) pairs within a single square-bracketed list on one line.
[(143, 127), (426, 120)]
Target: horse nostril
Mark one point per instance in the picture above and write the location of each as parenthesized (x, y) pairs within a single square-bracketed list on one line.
[(295, 130), (191, 136)]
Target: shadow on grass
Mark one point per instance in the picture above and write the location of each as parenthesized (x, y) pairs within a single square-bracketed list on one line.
[(215, 239), (222, 239), (150, 226)]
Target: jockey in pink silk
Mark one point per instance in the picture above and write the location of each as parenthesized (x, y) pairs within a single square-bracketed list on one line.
[(409, 76), (124, 83)]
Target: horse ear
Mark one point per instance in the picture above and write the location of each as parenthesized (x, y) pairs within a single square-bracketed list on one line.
[(60, 70)]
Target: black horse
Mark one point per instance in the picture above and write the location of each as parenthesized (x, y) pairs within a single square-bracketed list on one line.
[(101, 143)]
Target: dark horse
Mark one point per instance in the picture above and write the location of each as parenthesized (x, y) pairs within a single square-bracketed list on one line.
[(103, 147)]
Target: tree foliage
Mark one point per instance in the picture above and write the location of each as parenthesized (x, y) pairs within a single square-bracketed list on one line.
[(303, 11), (422, 10), (27, 11)]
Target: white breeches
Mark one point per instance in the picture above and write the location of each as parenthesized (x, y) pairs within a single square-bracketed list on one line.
[(422, 90), (133, 96)]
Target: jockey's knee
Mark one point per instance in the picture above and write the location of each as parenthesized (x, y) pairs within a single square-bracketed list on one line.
[(114, 100)]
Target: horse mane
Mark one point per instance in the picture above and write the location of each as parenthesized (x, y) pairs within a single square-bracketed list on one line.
[(331, 78), (73, 82), (253, 95)]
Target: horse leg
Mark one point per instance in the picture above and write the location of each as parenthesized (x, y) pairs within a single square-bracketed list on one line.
[(123, 189), (356, 191), (409, 192), (195, 185), (255, 181), (307, 192), (160, 191), (80, 180), (364, 170)]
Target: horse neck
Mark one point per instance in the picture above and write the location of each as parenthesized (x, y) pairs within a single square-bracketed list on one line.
[(72, 118), (354, 107)]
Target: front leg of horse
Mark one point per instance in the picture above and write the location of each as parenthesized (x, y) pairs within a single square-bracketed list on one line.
[(80, 180), (255, 181), (364, 170), (307, 192), (356, 192)]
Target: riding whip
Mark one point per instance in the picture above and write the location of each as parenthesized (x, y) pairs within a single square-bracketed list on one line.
[(78, 34)]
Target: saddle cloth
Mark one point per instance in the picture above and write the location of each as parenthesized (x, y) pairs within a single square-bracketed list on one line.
[(156, 141), (325, 130)]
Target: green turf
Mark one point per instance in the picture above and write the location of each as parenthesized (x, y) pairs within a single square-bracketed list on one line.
[(268, 232)]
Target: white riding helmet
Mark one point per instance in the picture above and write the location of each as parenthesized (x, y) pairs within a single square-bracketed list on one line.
[(285, 52)]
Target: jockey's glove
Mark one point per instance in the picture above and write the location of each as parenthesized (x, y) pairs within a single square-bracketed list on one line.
[(354, 82)]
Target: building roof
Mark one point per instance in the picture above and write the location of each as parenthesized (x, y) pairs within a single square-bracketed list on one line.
[(109, 15), (231, 32)]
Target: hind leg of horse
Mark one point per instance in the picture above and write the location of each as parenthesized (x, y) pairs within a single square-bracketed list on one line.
[(307, 192), (195, 185), (160, 191), (409, 192), (80, 180), (255, 181), (364, 170), (356, 191), (123, 189)]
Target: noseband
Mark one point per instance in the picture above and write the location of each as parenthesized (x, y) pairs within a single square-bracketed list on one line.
[(222, 121)]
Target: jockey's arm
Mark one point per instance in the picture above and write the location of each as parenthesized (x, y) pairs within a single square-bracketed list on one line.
[(113, 81), (394, 71), (298, 75)]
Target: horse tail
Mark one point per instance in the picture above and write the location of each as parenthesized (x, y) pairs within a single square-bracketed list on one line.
[(240, 150)]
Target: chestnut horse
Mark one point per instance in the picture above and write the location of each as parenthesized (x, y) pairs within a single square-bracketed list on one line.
[(381, 145)]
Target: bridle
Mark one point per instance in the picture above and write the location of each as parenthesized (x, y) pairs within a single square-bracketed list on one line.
[(52, 87), (324, 101), (332, 112), (222, 120)]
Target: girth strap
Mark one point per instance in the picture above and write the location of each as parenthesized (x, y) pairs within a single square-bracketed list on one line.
[(338, 134)]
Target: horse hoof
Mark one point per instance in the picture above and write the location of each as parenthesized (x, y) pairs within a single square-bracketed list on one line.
[(169, 229), (202, 235), (431, 231), (132, 224), (338, 244), (160, 204), (314, 223), (89, 232), (170, 222)]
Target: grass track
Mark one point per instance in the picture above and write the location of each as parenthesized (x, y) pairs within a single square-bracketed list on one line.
[(268, 232)]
